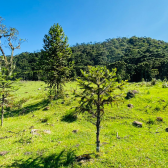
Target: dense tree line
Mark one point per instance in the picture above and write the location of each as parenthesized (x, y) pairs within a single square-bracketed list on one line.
[(135, 58), (143, 57), (26, 66)]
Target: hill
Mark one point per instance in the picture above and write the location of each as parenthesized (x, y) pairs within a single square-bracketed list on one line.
[(135, 58)]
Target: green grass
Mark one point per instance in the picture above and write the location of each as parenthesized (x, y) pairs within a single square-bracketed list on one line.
[(135, 147)]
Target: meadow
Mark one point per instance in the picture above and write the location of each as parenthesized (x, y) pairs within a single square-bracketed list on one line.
[(42, 133)]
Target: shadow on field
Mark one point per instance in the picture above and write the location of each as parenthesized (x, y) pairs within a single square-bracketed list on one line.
[(63, 159), (69, 117), (28, 109)]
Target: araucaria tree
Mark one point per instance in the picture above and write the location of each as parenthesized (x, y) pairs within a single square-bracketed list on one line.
[(6, 88), (7, 65), (54, 60), (98, 85)]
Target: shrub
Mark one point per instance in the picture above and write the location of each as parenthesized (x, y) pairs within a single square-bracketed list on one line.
[(157, 108), (164, 85), (150, 121), (148, 84), (165, 79), (130, 94), (44, 120), (154, 81)]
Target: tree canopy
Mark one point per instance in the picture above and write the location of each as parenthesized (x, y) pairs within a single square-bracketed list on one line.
[(54, 59), (134, 58), (98, 85)]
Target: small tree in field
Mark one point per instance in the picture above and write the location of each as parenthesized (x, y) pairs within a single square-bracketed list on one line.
[(7, 66), (6, 87), (54, 60), (98, 85)]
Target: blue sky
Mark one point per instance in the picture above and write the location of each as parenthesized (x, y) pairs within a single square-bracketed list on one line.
[(85, 20)]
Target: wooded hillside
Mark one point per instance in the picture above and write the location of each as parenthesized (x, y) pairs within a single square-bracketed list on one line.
[(135, 58)]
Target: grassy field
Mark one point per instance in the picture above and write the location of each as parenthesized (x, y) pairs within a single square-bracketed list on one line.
[(60, 138)]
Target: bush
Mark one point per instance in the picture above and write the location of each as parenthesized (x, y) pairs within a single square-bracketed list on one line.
[(164, 85), (150, 121), (143, 83), (165, 79), (44, 120), (154, 81), (148, 84), (131, 94)]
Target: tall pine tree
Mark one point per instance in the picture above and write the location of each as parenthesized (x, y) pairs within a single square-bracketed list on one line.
[(54, 60), (98, 85), (7, 66)]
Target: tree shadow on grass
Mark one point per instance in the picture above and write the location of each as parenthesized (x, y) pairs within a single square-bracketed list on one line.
[(28, 109), (65, 158), (69, 117)]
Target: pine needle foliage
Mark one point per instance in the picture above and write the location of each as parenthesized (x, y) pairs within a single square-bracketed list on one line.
[(54, 60), (6, 89), (7, 66), (98, 85)]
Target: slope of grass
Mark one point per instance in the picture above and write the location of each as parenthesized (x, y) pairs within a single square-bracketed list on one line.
[(122, 144)]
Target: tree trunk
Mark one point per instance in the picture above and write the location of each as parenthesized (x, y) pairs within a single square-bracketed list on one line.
[(98, 123), (57, 88), (2, 112), (97, 134)]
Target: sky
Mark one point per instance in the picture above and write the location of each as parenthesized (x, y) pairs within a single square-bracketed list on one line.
[(85, 21)]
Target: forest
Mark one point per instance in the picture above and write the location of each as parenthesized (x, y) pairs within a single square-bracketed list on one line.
[(136, 59)]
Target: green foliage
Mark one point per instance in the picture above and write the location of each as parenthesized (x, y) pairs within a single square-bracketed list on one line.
[(164, 85), (45, 119), (165, 79), (99, 81), (6, 88), (144, 58), (7, 66), (154, 81), (97, 84), (151, 121), (26, 66), (135, 58), (54, 59), (130, 94), (154, 73)]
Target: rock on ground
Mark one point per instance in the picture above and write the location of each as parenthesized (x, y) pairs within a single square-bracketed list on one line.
[(3, 153), (137, 124)]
